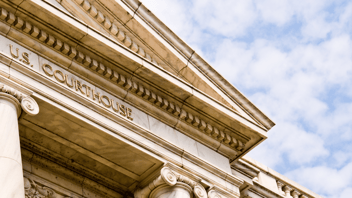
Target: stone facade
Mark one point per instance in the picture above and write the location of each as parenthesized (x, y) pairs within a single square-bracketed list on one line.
[(98, 98)]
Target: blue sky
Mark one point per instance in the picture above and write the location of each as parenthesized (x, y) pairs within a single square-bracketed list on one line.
[(293, 59)]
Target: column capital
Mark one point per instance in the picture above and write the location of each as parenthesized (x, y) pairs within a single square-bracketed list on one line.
[(167, 176), (279, 184), (171, 178), (22, 101), (295, 193), (287, 188)]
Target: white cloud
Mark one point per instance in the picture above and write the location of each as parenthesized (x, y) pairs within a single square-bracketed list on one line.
[(295, 65), (224, 17), (328, 181), (346, 193)]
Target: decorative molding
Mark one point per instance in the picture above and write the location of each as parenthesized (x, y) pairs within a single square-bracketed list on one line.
[(287, 190), (35, 190), (28, 104), (137, 89), (120, 35)]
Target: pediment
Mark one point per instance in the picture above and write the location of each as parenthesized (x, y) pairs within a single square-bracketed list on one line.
[(117, 20), (122, 68)]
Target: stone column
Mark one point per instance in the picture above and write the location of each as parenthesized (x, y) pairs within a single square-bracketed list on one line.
[(11, 173)]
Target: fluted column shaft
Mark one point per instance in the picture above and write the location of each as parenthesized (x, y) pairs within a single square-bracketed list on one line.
[(11, 173)]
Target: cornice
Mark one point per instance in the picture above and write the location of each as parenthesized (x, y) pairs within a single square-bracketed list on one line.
[(193, 58), (236, 143)]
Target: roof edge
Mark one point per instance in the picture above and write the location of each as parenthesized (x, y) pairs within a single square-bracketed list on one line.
[(205, 68)]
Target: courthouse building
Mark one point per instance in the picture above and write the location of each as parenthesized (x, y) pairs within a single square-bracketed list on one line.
[(98, 98)]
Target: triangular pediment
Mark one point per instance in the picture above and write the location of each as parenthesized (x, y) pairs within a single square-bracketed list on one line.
[(123, 21), (114, 49)]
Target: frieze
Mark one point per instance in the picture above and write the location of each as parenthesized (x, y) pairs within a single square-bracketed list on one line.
[(87, 91), (122, 81)]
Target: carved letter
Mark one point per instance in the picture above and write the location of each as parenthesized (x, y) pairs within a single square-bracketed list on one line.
[(13, 55), (44, 66), (117, 108), (72, 83), (106, 98), (79, 87), (129, 113), (122, 110), (62, 76), (25, 58), (96, 95), (88, 90)]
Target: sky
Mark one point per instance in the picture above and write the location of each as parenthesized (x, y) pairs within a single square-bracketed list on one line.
[(293, 60)]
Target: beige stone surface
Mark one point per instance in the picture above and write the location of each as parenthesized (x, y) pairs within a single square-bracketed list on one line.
[(268, 181), (213, 157), (4, 69)]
